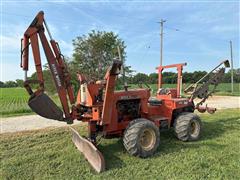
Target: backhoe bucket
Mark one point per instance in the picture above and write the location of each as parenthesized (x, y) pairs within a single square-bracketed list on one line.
[(45, 107), (90, 152)]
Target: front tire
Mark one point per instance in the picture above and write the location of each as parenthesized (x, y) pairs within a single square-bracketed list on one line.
[(188, 127), (141, 138)]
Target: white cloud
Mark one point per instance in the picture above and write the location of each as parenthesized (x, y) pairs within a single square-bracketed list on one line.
[(53, 30), (16, 72), (76, 8), (224, 29), (12, 29), (140, 42), (10, 43), (66, 47), (11, 37)]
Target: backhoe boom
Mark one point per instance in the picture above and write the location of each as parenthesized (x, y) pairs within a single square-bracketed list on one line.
[(56, 64)]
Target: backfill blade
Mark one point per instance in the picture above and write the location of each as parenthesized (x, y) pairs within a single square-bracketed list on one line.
[(90, 152)]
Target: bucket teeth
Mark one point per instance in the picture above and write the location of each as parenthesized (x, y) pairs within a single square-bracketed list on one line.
[(90, 152)]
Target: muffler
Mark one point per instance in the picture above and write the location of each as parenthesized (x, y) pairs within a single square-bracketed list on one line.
[(45, 107)]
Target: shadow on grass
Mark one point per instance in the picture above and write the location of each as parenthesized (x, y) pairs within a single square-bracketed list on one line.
[(211, 130), (214, 129), (170, 144), (111, 153)]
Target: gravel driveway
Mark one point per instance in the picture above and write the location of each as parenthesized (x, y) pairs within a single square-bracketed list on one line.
[(29, 122), (223, 102), (33, 122)]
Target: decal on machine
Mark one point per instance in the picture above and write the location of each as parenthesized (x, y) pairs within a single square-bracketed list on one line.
[(129, 97), (183, 102), (56, 75)]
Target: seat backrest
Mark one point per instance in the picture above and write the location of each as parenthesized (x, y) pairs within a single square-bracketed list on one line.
[(168, 91)]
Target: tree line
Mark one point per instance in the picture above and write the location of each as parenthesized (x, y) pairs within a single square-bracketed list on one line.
[(168, 78), (7, 84), (171, 77)]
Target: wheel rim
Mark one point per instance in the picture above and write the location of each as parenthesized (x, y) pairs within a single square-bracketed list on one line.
[(148, 139), (194, 128)]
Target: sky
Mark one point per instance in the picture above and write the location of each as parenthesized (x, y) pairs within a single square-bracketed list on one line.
[(195, 32)]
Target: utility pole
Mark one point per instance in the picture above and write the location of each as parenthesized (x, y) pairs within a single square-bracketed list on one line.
[(123, 69), (161, 41), (231, 65)]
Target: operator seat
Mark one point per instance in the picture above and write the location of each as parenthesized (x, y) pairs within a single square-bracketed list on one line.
[(155, 102), (171, 92), (158, 102), (163, 91)]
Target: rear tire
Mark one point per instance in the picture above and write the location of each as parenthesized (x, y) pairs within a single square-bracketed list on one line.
[(187, 127), (141, 138)]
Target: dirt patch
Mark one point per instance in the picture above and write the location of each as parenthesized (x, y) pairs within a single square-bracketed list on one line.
[(223, 102)]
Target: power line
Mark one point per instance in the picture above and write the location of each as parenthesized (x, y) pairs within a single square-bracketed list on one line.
[(171, 28)]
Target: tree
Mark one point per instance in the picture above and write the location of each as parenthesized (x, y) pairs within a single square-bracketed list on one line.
[(2, 84), (169, 77), (10, 84), (94, 53), (128, 77), (19, 82), (153, 78), (236, 76), (140, 78), (48, 80)]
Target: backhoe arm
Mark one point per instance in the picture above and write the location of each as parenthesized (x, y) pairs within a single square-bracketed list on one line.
[(55, 61)]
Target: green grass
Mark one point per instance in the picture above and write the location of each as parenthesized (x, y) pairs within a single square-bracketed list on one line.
[(225, 88), (13, 102), (50, 154)]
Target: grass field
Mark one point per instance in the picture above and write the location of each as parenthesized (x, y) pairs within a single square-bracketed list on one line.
[(13, 101), (50, 154)]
